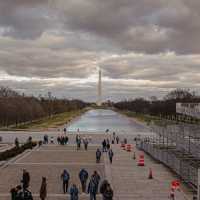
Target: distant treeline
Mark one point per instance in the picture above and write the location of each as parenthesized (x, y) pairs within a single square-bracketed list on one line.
[(164, 107), (17, 108)]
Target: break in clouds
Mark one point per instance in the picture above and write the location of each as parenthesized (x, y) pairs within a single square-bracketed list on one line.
[(144, 48)]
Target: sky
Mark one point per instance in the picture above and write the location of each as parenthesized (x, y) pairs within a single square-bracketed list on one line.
[(143, 47)]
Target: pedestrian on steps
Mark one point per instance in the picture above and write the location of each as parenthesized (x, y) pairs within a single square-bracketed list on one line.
[(74, 192), (92, 188), (108, 193), (110, 155), (98, 156), (65, 178), (83, 176), (43, 189)]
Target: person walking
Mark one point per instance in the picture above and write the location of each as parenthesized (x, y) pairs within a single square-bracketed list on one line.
[(83, 176), (78, 142), (85, 142), (65, 178), (92, 188), (108, 193), (16, 142), (98, 156), (66, 139), (114, 136), (43, 189), (65, 130), (117, 139), (108, 145), (73, 192), (97, 180), (103, 186), (110, 155), (25, 179), (104, 145)]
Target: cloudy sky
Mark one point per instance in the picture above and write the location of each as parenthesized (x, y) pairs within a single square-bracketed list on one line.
[(144, 47)]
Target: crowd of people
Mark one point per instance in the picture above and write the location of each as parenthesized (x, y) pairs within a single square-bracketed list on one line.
[(21, 192), (90, 185)]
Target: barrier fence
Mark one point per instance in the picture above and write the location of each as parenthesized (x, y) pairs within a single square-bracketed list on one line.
[(177, 147)]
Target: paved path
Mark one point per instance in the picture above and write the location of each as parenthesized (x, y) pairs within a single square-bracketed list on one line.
[(129, 181)]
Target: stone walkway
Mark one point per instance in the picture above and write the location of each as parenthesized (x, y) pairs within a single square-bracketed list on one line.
[(129, 181)]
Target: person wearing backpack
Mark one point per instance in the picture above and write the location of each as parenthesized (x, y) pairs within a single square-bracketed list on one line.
[(24, 194), (43, 189), (108, 193), (97, 179), (73, 192), (92, 188), (110, 154), (25, 179), (83, 176), (98, 156), (65, 178), (14, 192)]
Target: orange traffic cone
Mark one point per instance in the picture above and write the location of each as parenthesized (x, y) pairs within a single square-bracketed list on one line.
[(128, 147), (141, 161), (150, 174)]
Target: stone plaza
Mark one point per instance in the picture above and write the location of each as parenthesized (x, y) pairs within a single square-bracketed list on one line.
[(129, 181)]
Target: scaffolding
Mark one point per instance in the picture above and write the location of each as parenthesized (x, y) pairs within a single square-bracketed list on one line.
[(178, 147)]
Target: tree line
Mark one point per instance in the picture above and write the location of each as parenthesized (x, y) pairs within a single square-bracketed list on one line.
[(18, 108), (162, 108)]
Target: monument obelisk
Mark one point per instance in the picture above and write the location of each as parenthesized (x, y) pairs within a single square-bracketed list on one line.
[(99, 102)]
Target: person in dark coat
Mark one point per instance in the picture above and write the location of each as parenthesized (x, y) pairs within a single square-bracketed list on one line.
[(65, 130), (98, 156), (65, 178), (78, 142), (110, 154), (117, 139), (108, 193), (14, 192), (108, 145), (66, 139), (92, 188), (24, 194), (25, 179), (103, 186), (17, 142), (83, 176), (73, 192), (43, 189), (104, 145), (85, 142), (97, 179)]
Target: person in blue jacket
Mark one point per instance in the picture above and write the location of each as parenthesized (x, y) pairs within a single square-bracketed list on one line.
[(92, 188), (83, 176), (65, 178), (73, 192)]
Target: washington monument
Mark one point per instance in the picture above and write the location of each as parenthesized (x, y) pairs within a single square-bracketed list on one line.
[(99, 101)]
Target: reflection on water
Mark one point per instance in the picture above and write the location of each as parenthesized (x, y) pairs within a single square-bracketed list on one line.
[(99, 120)]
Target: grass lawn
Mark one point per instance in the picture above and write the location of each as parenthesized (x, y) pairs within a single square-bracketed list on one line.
[(53, 122)]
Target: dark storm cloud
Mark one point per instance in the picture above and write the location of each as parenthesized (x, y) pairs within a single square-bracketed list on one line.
[(24, 19), (143, 47), (149, 26)]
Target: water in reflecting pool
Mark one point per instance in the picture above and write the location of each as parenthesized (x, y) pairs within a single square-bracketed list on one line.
[(99, 120)]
